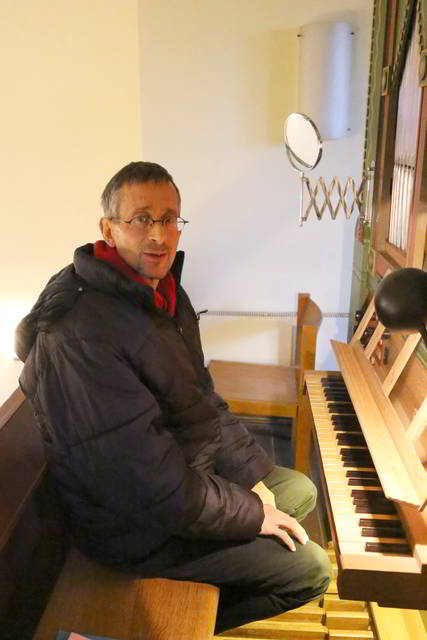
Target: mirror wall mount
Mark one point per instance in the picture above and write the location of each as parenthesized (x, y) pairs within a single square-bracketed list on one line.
[(303, 145)]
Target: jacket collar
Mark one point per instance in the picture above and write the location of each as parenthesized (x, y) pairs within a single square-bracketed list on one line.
[(63, 289), (103, 276)]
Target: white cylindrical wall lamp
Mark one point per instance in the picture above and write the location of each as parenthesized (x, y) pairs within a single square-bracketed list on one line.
[(325, 76)]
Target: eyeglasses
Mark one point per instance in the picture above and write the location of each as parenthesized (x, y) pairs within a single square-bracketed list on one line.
[(142, 224)]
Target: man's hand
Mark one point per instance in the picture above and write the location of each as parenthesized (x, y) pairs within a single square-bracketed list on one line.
[(267, 496), (275, 523)]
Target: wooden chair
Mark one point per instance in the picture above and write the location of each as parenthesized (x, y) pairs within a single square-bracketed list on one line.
[(271, 390), (87, 597)]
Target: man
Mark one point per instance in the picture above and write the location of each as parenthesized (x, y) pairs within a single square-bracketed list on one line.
[(155, 476)]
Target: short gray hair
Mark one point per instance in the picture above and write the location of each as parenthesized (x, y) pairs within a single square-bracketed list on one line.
[(132, 173)]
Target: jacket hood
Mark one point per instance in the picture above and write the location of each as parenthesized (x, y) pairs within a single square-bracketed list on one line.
[(62, 290)]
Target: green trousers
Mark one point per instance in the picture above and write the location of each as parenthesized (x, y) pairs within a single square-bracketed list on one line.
[(260, 578)]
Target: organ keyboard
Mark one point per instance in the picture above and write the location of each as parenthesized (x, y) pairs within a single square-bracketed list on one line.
[(373, 469)]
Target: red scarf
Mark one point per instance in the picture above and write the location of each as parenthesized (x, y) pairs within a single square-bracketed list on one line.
[(164, 297)]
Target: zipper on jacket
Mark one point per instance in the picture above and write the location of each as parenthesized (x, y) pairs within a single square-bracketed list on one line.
[(177, 326)]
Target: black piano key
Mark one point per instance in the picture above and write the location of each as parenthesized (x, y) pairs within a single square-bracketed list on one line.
[(364, 482), (366, 464), (342, 395), (387, 547), (357, 456), (379, 522), (355, 439), (358, 451), (382, 532), (333, 396), (364, 506), (341, 407), (342, 417), (369, 495), (351, 442), (374, 498), (344, 420), (356, 473), (347, 427)]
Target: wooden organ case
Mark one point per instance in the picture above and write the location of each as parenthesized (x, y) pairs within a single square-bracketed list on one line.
[(367, 425)]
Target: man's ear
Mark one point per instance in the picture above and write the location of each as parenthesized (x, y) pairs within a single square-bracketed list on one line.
[(105, 225)]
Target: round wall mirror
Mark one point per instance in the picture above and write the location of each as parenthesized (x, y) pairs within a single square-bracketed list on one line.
[(302, 142)]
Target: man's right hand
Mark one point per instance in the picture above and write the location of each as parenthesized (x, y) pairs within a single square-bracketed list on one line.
[(275, 523)]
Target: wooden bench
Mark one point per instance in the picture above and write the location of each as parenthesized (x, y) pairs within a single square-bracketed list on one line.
[(272, 390), (87, 597)]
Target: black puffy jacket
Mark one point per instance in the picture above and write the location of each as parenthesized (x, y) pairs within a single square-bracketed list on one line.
[(139, 445)]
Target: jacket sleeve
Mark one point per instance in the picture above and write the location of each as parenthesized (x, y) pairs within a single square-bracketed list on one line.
[(240, 458), (111, 440)]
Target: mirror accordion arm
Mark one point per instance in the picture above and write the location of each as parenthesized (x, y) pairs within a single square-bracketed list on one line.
[(304, 148)]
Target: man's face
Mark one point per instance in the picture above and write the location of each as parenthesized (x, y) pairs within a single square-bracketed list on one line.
[(152, 252)]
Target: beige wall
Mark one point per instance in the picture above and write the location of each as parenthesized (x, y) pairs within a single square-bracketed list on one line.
[(219, 79), (69, 118)]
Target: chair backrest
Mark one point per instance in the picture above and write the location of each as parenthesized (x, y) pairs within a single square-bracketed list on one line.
[(309, 319)]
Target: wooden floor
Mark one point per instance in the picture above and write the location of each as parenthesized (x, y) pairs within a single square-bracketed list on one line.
[(331, 618)]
